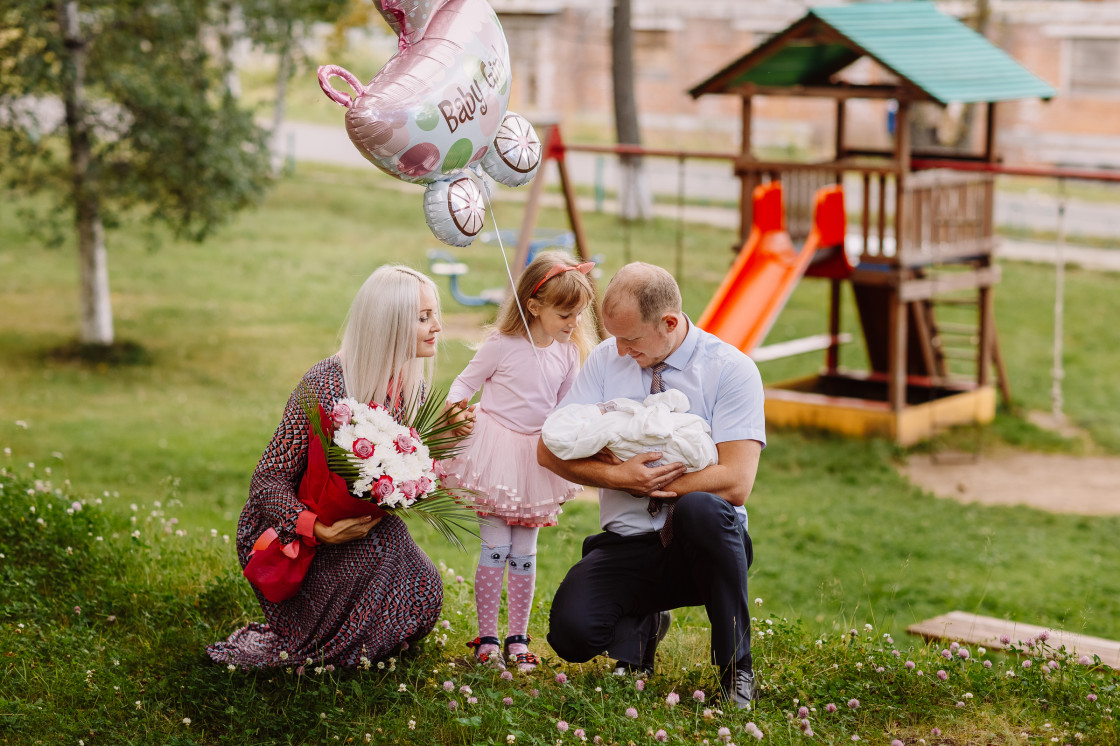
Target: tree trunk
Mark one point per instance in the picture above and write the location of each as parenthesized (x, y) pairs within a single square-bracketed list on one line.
[(96, 309), (283, 73), (635, 202)]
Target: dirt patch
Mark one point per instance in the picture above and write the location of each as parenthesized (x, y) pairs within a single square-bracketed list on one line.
[(1054, 482)]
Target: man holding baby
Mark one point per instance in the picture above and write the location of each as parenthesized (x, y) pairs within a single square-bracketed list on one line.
[(670, 538)]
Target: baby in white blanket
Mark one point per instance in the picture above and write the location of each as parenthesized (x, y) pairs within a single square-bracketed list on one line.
[(627, 428)]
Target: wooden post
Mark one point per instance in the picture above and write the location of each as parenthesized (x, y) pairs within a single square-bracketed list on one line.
[(896, 352), (746, 181), (533, 205), (832, 361), (896, 391), (984, 353), (990, 133), (839, 144)]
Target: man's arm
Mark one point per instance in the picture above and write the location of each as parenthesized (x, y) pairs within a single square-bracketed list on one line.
[(732, 477), (605, 470)]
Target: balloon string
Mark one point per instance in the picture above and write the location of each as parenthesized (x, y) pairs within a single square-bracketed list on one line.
[(512, 284)]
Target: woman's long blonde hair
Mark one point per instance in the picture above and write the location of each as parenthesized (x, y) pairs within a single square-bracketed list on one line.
[(378, 346), (568, 291)]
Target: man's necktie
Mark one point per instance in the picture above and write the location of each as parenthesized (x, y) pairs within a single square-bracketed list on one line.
[(654, 507)]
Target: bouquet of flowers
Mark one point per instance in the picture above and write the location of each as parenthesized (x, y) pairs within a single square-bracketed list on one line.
[(387, 465)]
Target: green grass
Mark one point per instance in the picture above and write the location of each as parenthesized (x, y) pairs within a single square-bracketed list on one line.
[(841, 539)]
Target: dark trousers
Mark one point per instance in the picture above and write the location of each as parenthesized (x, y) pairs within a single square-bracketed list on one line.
[(608, 601)]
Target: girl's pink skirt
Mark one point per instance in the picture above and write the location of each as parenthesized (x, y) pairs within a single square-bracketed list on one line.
[(501, 464)]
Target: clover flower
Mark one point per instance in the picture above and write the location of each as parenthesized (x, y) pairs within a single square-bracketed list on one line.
[(507, 676), (631, 712), (453, 705), (963, 654), (853, 703), (580, 734), (830, 707), (698, 695), (724, 734), (942, 675), (1091, 697), (802, 712), (1085, 660), (935, 732), (1026, 664), (661, 735), (561, 678), (507, 701), (562, 726), (1005, 639), (448, 686), (640, 684), (672, 698), (987, 664), (909, 665)]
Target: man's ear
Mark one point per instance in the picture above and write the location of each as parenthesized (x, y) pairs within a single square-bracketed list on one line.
[(671, 321)]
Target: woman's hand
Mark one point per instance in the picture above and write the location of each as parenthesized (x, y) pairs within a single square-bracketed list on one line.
[(345, 529), (461, 412)]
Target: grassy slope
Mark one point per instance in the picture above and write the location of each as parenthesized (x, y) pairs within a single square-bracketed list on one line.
[(231, 324)]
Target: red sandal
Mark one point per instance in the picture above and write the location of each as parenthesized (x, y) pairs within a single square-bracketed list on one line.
[(487, 658), (525, 661)]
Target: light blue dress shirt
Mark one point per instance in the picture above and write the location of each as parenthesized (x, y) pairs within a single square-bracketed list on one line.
[(723, 387)]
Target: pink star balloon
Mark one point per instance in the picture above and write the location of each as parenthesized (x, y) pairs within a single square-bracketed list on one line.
[(436, 113)]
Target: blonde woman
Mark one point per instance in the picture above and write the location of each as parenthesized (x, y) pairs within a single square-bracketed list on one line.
[(526, 364), (369, 590)]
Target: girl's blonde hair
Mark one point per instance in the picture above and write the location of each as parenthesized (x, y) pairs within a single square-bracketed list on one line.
[(567, 291), (379, 336)]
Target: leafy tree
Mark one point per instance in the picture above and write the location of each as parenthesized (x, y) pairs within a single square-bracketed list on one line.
[(279, 26), (146, 128)]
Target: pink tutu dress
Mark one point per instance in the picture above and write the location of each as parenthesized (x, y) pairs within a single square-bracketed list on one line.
[(499, 459)]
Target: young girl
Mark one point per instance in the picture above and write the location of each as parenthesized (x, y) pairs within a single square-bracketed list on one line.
[(525, 373)]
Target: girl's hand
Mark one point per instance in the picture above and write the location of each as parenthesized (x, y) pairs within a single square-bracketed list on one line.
[(345, 529), (462, 413)]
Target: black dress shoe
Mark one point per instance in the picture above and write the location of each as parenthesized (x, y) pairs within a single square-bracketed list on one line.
[(737, 687)]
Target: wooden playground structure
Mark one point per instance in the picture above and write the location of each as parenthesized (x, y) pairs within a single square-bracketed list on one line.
[(920, 266)]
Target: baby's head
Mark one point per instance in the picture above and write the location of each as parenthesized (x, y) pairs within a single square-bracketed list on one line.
[(553, 281)]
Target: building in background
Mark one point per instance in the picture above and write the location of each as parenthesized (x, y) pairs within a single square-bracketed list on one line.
[(560, 53)]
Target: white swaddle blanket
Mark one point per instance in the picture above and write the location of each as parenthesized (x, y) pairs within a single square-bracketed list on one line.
[(627, 427)]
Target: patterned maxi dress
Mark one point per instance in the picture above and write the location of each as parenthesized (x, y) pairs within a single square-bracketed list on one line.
[(363, 598)]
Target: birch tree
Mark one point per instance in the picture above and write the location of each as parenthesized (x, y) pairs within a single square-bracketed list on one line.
[(146, 134)]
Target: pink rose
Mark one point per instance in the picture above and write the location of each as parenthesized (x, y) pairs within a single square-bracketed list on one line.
[(341, 414), (408, 489), (363, 448), (425, 484), (383, 487), (404, 444), (437, 467)]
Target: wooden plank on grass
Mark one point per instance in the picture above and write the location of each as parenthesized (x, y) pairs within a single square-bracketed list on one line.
[(983, 630)]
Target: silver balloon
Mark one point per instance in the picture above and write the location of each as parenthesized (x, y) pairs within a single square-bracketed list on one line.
[(515, 155), (454, 210)]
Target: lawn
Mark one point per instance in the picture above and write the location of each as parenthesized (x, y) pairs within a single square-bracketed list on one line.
[(842, 540)]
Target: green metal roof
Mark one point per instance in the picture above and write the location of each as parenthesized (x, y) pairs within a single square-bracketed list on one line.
[(928, 49)]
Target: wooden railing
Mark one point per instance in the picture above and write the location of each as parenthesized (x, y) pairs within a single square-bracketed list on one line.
[(945, 216)]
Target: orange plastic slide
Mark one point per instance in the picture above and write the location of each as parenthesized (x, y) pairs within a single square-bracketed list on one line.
[(756, 288)]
